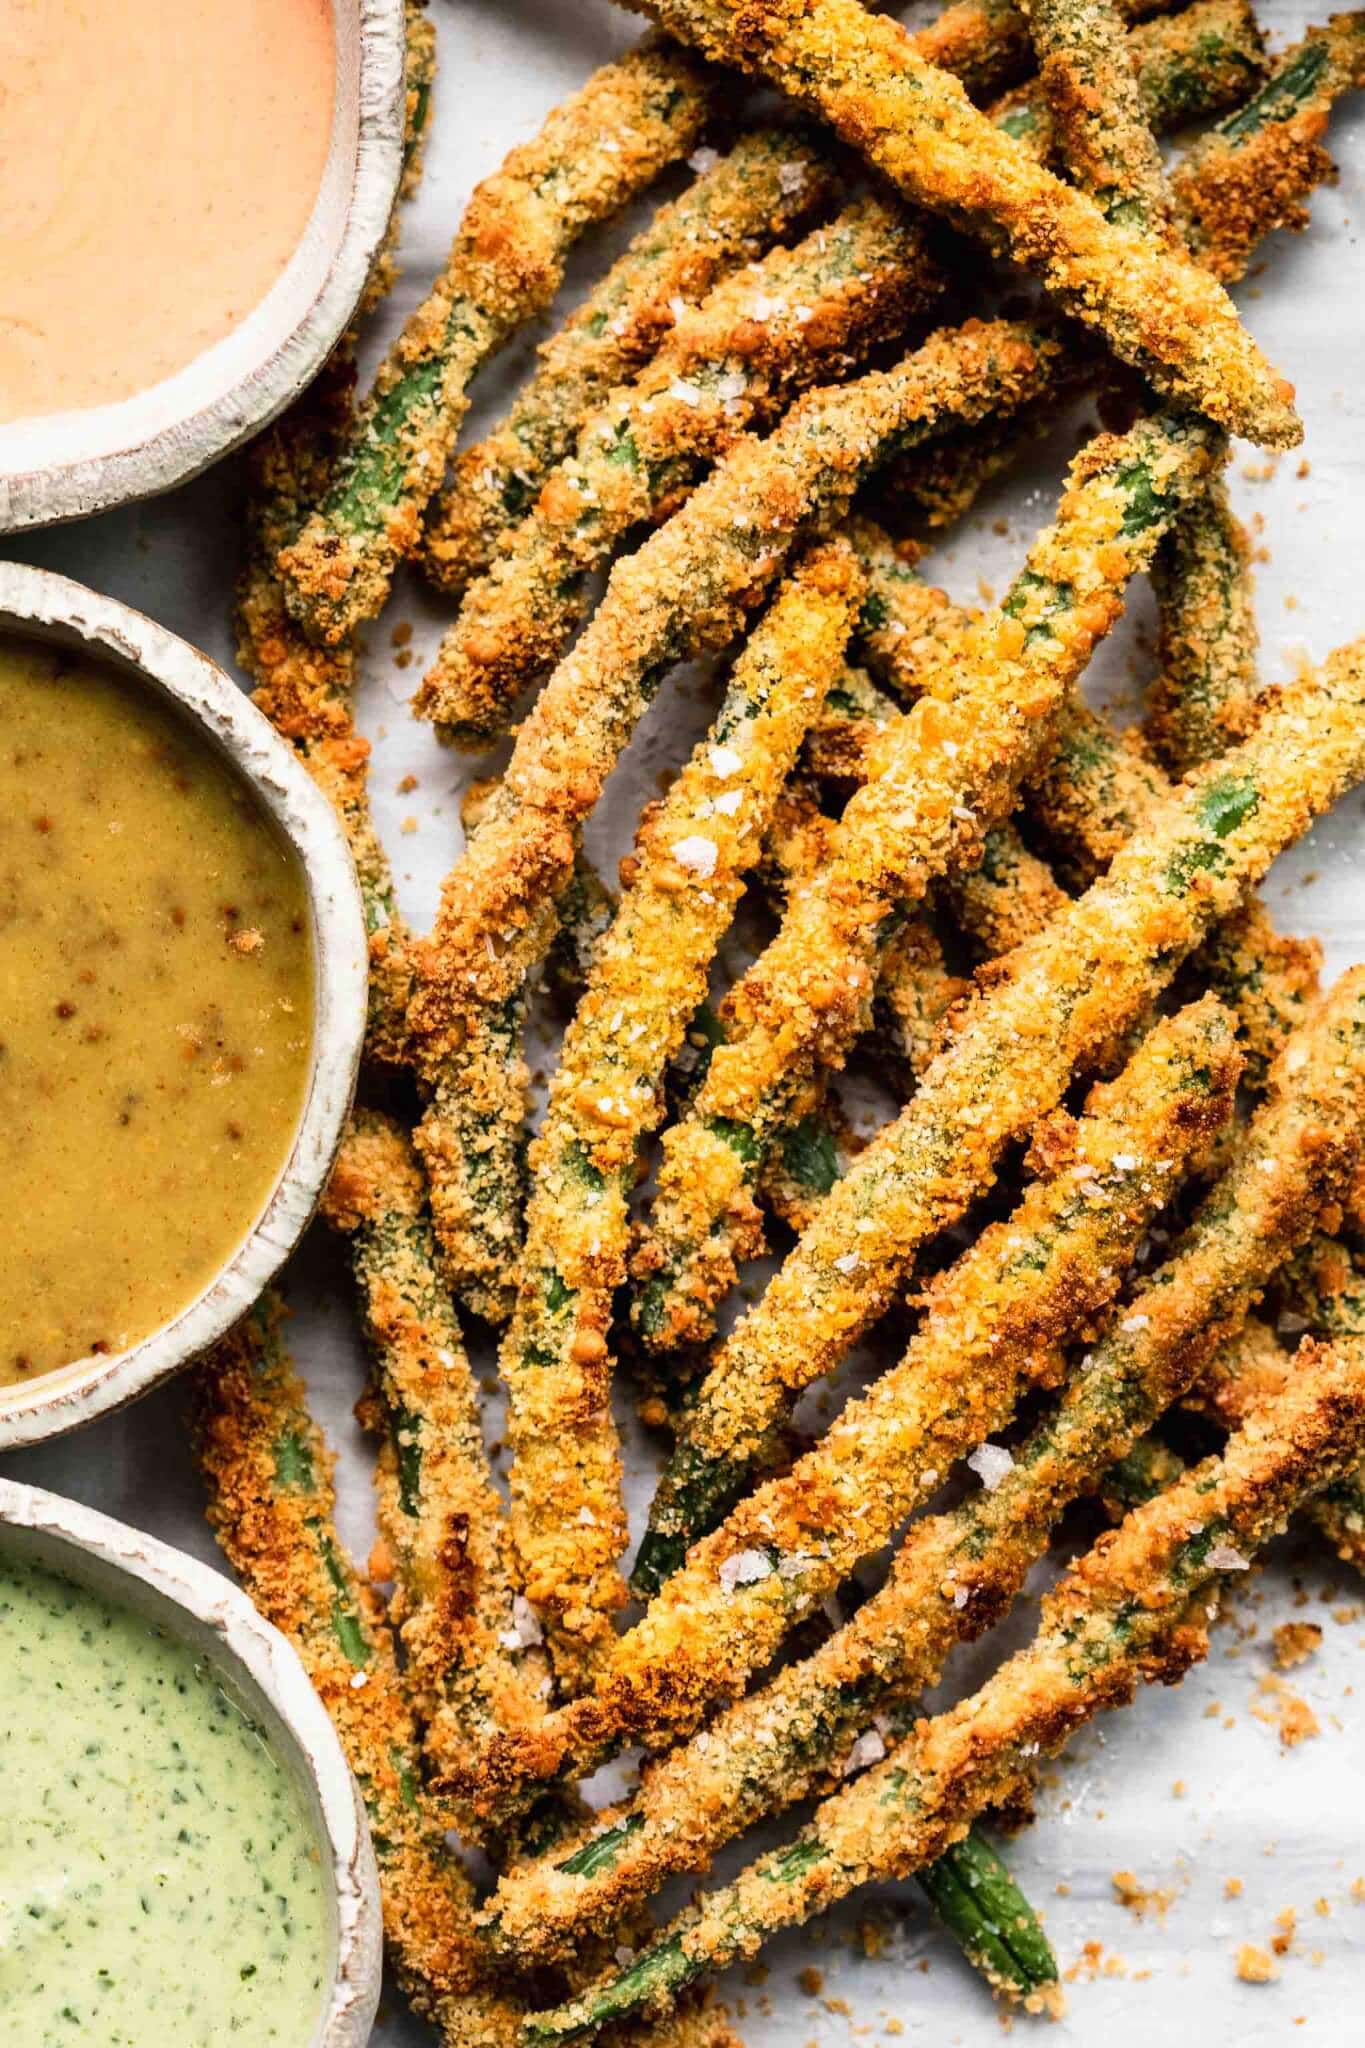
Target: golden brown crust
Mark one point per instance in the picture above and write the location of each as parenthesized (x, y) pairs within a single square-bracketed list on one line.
[(649, 974), (591, 155), (917, 126)]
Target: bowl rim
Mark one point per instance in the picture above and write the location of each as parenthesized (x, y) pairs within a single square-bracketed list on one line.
[(255, 1655), (206, 417), (38, 604)]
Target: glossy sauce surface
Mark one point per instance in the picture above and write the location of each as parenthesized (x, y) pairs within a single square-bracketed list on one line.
[(156, 1010), (160, 162), (160, 1882)]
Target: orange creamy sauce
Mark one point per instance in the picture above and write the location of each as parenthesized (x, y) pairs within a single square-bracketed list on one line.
[(156, 1010), (159, 163)]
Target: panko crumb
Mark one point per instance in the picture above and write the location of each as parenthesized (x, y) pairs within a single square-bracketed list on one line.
[(1294, 1643), (1255, 1965), (1289, 1713), (1142, 1899)]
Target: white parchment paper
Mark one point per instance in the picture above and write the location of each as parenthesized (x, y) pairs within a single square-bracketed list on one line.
[(1192, 1790)]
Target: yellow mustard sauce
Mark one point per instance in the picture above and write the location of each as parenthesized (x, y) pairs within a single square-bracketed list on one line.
[(156, 1010)]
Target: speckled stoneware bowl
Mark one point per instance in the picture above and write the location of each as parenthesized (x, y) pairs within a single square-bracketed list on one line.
[(67, 464), (200, 1607), (36, 605)]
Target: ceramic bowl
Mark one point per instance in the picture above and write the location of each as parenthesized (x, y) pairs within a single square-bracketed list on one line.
[(37, 605), (65, 465), (200, 1607)]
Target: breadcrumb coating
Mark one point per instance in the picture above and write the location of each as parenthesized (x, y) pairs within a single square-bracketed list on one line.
[(956, 1573), (1088, 976), (731, 364), (1101, 130), (1204, 697), (306, 691), (1134, 1609), (271, 1505), (688, 588), (1254, 171), (942, 774), (1188, 65), (760, 193), (1324, 1287), (986, 43), (692, 853), (593, 153), (467, 1668), (992, 1327), (915, 123)]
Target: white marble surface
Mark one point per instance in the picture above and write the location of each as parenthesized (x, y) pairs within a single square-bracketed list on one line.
[(1285, 1823)]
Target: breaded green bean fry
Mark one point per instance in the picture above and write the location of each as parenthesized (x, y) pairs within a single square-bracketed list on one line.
[(689, 587), (1254, 170), (765, 187), (1099, 124), (1205, 694), (775, 327), (470, 1649), (692, 853), (271, 1500), (306, 691), (730, 364), (1323, 1287), (986, 43), (955, 1574), (944, 772), (1087, 977), (992, 1327), (1134, 1609), (1188, 66), (592, 154), (916, 125)]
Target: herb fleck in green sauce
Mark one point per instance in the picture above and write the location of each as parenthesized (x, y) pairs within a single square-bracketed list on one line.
[(160, 1884)]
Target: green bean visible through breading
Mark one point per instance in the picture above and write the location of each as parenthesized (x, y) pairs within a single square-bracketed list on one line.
[(956, 1573), (1323, 1289), (992, 1327), (1205, 694), (592, 154), (1099, 124), (470, 1646), (650, 973), (271, 1499), (689, 587), (768, 184), (1088, 976), (986, 43), (1253, 171), (775, 328), (730, 364), (1134, 1608), (1188, 66), (861, 71), (945, 771), (306, 691)]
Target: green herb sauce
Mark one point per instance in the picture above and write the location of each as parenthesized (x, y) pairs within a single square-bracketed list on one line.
[(160, 1882)]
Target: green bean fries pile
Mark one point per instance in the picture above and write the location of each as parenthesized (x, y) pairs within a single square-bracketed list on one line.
[(1120, 1114)]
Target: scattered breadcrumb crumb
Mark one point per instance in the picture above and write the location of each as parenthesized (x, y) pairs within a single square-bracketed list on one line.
[(1292, 1715), (1295, 1642), (1142, 1899), (1254, 1965)]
